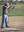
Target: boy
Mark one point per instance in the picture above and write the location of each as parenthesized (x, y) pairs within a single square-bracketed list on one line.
[(4, 15)]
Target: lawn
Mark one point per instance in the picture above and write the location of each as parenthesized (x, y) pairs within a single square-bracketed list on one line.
[(17, 11)]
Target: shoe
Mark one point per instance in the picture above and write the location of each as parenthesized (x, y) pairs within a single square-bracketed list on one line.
[(2, 27), (7, 27)]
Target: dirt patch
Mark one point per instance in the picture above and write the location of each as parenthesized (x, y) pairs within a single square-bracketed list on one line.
[(15, 21)]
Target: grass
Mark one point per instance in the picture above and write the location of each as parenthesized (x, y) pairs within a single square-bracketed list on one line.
[(17, 11)]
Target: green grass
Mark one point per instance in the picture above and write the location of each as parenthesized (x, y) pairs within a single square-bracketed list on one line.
[(17, 11)]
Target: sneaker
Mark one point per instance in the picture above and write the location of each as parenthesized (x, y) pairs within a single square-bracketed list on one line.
[(8, 27), (2, 27)]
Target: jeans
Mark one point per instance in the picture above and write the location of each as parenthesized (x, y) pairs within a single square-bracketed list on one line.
[(4, 18)]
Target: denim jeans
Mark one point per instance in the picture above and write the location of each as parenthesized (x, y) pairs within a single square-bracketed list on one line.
[(4, 18)]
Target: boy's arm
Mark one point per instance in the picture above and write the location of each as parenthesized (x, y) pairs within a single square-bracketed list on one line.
[(8, 7)]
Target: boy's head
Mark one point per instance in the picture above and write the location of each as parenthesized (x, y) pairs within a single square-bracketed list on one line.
[(6, 4)]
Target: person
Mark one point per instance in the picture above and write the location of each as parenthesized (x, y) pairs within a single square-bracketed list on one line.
[(4, 15)]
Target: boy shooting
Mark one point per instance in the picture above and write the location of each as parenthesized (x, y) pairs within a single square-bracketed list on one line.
[(4, 15)]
